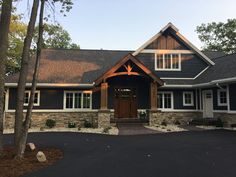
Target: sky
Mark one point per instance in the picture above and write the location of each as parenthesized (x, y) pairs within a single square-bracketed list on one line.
[(127, 24)]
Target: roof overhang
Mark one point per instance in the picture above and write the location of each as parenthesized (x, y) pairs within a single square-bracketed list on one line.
[(59, 85), (121, 62)]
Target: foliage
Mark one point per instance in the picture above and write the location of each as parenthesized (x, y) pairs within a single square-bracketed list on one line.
[(50, 123), (143, 115), (164, 123), (88, 124), (71, 125), (106, 130), (218, 36), (177, 122)]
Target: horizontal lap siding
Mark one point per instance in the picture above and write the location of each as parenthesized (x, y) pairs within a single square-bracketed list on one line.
[(232, 95), (49, 99), (178, 98)]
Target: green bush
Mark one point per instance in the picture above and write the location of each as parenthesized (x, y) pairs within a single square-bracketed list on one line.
[(233, 125), (219, 123), (50, 123), (71, 125), (88, 124), (106, 130), (143, 115)]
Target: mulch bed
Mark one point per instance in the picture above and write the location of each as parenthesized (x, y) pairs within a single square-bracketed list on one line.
[(10, 167)]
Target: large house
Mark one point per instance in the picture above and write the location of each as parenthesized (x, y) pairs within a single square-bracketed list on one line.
[(167, 78)]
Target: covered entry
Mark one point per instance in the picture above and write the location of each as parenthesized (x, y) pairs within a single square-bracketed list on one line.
[(127, 87)]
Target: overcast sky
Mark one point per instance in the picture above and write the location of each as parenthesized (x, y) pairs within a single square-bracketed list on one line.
[(127, 24)]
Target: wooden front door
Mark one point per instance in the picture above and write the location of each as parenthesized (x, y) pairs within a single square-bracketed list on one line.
[(125, 103)]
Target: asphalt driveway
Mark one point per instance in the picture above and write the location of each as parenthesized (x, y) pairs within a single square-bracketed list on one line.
[(183, 154)]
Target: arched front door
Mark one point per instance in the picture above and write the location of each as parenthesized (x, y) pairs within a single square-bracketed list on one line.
[(125, 103)]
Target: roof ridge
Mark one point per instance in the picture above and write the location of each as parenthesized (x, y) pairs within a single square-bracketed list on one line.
[(115, 50)]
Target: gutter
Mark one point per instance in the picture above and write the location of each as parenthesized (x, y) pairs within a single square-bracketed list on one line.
[(53, 85)]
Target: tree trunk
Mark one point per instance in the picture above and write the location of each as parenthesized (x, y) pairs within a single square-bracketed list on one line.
[(4, 30), (23, 138), (23, 73)]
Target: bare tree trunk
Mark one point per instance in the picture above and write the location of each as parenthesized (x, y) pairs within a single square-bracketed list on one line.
[(4, 30), (23, 73), (23, 138)]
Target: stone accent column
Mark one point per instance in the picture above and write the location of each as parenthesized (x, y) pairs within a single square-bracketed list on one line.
[(104, 96), (104, 118), (153, 112)]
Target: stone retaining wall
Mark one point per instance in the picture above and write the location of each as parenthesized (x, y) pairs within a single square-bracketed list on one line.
[(227, 118), (61, 118)]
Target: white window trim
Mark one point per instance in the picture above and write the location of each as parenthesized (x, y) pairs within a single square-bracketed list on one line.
[(82, 97), (171, 60), (38, 100), (218, 97), (172, 101), (192, 100)]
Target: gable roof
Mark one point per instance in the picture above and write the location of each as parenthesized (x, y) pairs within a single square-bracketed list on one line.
[(121, 62), (64, 66), (181, 37)]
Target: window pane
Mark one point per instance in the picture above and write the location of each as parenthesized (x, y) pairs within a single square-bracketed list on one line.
[(167, 61), (86, 100), (160, 100), (78, 98), (36, 98), (223, 97), (188, 98), (26, 100), (159, 61), (175, 61), (69, 100), (167, 100)]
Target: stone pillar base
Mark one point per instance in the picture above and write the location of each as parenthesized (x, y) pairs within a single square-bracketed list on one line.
[(154, 116), (104, 117)]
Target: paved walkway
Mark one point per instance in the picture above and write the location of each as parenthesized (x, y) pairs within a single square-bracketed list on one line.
[(134, 129)]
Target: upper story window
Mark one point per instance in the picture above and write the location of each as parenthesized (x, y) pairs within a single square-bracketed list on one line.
[(36, 98), (222, 97), (77, 100), (168, 62)]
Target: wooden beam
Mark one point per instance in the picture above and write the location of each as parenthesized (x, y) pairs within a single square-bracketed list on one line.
[(104, 96), (153, 96)]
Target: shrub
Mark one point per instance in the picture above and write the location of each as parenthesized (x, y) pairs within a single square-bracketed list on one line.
[(164, 123), (219, 123), (50, 123), (143, 115), (88, 124), (106, 130), (233, 125), (71, 125), (176, 122)]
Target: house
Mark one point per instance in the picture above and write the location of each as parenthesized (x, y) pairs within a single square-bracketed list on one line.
[(167, 77)]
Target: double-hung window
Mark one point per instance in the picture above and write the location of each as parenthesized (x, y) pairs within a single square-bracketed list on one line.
[(165, 100), (77, 100), (222, 97), (36, 98), (168, 62), (188, 99)]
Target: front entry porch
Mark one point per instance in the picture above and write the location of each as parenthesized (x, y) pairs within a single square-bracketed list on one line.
[(126, 88)]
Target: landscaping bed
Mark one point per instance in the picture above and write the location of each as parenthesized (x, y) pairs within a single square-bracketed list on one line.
[(11, 167)]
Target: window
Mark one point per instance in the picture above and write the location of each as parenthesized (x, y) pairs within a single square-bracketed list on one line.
[(165, 100), (188, 99), (222, 97), (168, 62), (78, 100), (36, 98)]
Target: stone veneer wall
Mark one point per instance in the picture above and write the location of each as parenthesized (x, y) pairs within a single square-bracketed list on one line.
[(227, 118), (157, 117), (61, 118)]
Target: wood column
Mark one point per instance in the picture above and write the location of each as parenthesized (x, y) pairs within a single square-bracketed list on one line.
[(153, 96), (104, 96)]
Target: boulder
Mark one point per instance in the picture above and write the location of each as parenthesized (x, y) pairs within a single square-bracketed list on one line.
[(30, 147), (41, 157)]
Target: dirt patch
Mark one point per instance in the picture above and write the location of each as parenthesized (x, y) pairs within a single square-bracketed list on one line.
[(10, 167)]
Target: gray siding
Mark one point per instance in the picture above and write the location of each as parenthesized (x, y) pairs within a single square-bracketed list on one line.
[(191, 66), (232, 95)]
